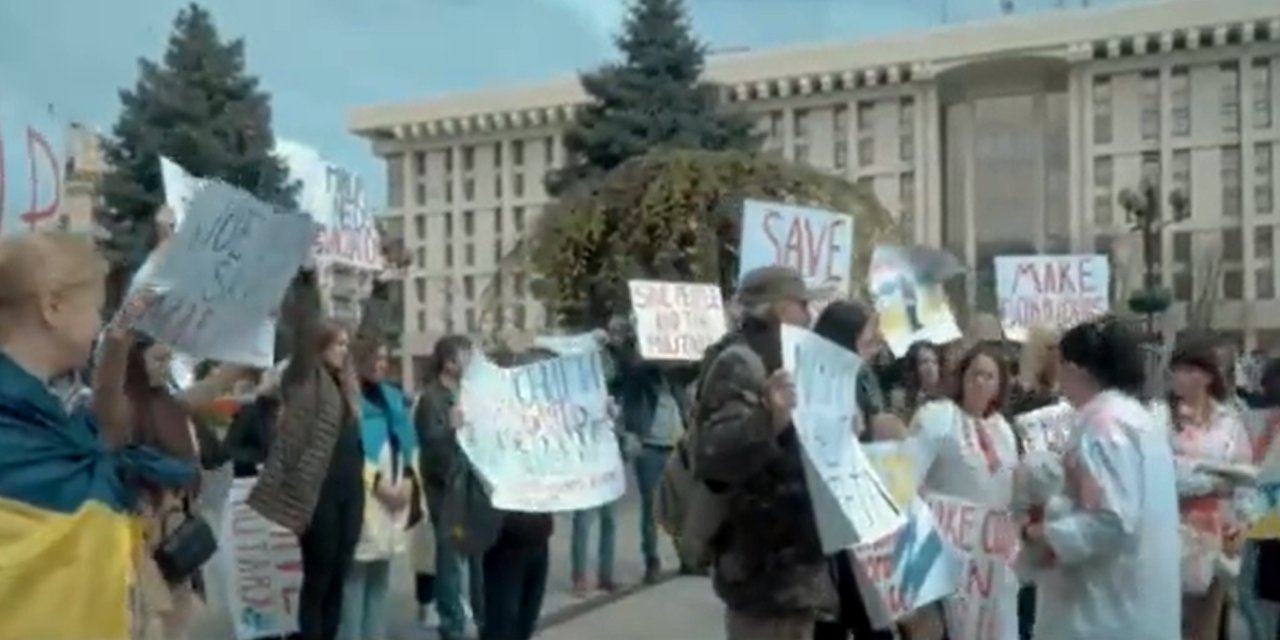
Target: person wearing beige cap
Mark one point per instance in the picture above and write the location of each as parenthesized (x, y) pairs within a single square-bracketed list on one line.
[(768, 564)]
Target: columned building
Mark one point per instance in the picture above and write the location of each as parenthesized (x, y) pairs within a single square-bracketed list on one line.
[(1012, 135)]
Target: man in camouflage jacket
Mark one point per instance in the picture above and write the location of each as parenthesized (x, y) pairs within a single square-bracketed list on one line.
[(769, 568)]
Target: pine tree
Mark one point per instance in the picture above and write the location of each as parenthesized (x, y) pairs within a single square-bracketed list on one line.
[(654, 99), (201, 109)]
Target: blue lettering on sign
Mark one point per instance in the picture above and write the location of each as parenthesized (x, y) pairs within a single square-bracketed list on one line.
[(914, 559), (253, 619)]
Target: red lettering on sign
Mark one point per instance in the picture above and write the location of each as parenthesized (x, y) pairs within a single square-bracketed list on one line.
[(999, 537), (39, 155), (956, 522), (811, 252), (979, 577), (1073, 276)]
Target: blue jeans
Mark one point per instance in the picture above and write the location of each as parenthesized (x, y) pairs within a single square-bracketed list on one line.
[(448, 586), (650, 463), (364, 601), (579, 540)]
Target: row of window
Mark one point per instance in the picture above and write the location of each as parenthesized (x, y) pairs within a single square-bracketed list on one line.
[(470, 290), (469, 189), (1188, 264), (1231, 180), (772, 127), (469, 222), (468, 154), (515, 316), (1261, 74)]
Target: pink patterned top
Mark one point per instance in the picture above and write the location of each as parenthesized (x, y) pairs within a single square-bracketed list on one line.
[(1204, 502)]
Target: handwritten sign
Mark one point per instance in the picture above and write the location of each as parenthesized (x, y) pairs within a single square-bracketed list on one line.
[(815, 242), (910, 311), (262, 565), (1047, 428), (850, 501), (540, 435), (336, 199), (898, 463), (32, 166), (1055, 291), (676, 320), (985, 606), (909, 568), (227, 267)]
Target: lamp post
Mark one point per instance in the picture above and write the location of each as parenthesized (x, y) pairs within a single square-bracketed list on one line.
[(1146, 215)]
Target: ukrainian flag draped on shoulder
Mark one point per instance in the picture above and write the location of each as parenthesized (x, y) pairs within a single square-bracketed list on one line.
[(68, 536)]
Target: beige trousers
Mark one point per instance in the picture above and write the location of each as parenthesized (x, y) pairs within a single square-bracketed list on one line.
[(744, 626)]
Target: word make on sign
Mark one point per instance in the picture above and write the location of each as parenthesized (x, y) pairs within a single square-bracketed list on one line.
[(676, 320), (814, 242), (1056, 291), (984, 608), (263, 568)]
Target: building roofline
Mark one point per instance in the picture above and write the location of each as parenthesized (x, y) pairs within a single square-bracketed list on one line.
[(1133, 29)]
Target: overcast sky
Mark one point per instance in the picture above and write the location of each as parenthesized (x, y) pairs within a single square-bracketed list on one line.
[(320, 57)]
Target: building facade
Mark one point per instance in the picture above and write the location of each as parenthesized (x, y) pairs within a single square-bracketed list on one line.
[(1009, 136)]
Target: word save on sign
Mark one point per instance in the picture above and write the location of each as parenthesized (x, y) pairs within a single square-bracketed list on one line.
[(676, 320), (1056, 291), (262, 564), (814, 242)]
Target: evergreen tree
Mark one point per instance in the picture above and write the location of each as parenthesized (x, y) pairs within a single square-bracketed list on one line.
[(654, 99), (200, 109)]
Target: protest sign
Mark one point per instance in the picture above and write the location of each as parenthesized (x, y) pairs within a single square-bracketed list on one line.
[(850, 501), (910, 310), (815, 242), (898, 463), (540, 436), (985, 606), (262, 567), (1047, 428), (909, 568), (336, 199), (1056, 291), (676, 320), (226, 269), (1263, 426), (179, 187), (32, 166)]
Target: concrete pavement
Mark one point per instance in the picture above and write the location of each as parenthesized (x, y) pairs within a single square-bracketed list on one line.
[(215, 623), (679, 609)]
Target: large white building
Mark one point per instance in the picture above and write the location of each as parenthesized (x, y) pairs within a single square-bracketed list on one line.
[(1011, 135)]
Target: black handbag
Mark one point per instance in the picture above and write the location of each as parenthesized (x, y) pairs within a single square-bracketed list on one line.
[(184, 551)]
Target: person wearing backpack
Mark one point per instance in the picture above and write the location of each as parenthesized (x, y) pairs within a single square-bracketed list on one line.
[(767, 560)]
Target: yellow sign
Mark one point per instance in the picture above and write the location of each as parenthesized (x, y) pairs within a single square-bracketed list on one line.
[(1267, 527), (897, 466), (909, 310)]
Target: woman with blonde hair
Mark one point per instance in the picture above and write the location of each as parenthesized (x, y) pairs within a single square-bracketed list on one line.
[(1037, 382), (312, 481), (66, 521)]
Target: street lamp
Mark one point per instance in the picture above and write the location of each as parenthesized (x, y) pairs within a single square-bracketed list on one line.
[(1145, 215)]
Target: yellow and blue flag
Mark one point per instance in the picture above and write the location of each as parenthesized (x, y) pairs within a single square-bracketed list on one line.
[(68, 532)]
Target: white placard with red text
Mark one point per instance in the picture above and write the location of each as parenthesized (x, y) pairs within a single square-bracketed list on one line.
[(986, 605), (1055, 291), (676, 320), (261, 564), (32, 166), (815, 242), (907, 569)]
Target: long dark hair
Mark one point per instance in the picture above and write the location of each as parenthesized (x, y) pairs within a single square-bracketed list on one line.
[(990, 350), (911, 369), (160, 420), (1108, 351), (843, 322)]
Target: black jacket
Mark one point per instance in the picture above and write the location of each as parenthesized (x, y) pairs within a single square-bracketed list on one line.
[(250, 435)]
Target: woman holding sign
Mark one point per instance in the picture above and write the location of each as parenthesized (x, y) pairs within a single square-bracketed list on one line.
[(312, 481), (1112, 569), (968, 451)]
